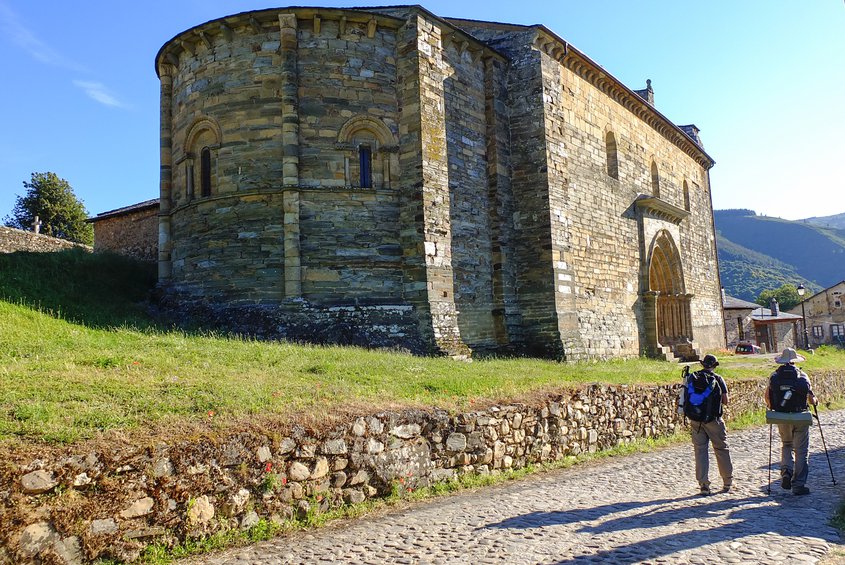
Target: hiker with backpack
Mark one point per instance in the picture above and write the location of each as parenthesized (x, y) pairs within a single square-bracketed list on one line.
[(789, 391), (703, 396)]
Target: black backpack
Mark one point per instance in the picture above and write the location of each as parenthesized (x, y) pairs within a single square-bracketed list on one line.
[(787, 392), (702, 397)]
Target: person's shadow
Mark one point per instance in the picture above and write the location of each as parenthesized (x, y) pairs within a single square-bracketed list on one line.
[(743, 516)]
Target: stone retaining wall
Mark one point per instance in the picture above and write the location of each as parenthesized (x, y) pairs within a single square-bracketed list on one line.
[(76, 504), (12, 240)]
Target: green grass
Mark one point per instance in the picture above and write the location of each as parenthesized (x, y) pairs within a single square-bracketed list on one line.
[(63, 381), (78, 356), (95, 289)]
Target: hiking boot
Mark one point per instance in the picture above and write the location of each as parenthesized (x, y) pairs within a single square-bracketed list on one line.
[(705, 491), (799, 491), (786, 481)]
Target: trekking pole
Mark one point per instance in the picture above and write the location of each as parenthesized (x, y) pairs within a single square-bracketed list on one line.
[(769, 485), (821, 433)]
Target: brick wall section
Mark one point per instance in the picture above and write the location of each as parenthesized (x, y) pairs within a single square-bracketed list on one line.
[(134, 234), (12, 240), (126, 495)]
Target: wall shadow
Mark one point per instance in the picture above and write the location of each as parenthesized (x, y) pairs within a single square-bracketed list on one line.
[(98, 290), (743, 514)]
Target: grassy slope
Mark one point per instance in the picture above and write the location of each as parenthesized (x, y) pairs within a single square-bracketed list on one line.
[(110, 368), (63, 380)]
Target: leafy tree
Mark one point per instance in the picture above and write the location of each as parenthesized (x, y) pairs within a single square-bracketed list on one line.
[(786, 295), (52, 199)]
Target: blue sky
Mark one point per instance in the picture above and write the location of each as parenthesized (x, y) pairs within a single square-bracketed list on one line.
[(762, 79)]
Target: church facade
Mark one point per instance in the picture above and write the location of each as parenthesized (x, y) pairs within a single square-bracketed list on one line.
[(390, 178)]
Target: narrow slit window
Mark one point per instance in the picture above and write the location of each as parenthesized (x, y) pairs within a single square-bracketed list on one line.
[(365, 154), (205, 172), (612, 155), (189, 181), (655, 180)]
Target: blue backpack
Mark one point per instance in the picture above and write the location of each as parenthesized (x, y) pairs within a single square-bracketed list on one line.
[(702, 397)]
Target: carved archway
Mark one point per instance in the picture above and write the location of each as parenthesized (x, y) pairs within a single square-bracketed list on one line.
[(672, 317)]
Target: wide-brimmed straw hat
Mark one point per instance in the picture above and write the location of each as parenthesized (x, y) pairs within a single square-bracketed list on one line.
[(789, 355)]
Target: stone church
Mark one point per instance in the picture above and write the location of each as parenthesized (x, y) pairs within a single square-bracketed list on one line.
[(390, 178)]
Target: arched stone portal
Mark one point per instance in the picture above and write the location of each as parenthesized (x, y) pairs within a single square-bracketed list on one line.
[(670, 317)]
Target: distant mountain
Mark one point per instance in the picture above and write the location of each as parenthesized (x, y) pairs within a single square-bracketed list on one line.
[(759, 252), (836, 221), (745, 273)]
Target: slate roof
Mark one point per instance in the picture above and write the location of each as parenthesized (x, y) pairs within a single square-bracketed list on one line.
[(126, 210), (738, 304), (765, 315)]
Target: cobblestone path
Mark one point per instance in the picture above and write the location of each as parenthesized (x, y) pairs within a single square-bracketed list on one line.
[(637, 509)]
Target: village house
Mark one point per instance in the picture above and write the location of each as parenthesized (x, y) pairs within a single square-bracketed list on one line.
[(825, 316), (768, 328)]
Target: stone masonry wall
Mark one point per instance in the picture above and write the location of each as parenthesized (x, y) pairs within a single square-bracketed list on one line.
[(339, 265), (230, 248), (734, 318), (466, 139), (78, 503), (599, 245), (386, 326), (12, 240), (533, 254), (489, 208), (607, 273), (134, 234)]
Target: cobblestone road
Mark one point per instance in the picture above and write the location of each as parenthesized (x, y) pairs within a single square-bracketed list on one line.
[(636, 509)]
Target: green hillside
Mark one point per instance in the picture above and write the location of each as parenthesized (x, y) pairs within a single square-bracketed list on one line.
[(759, 252), (745, 273)]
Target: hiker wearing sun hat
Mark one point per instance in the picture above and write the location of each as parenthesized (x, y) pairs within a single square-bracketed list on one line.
[(789, 391)]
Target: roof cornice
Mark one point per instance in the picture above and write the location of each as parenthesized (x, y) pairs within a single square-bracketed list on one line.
[(187, 40), (552, 45)]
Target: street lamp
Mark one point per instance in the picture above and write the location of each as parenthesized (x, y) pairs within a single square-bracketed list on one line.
[(801, 291)]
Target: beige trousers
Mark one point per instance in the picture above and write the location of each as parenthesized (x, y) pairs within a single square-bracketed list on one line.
[(716, 433)]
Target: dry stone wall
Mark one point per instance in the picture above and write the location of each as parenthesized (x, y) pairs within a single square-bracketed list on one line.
[(12, 240), (76, 504)]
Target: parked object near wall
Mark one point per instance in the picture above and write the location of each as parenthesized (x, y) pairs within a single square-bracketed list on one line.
[(487, 183), (96, 500)]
